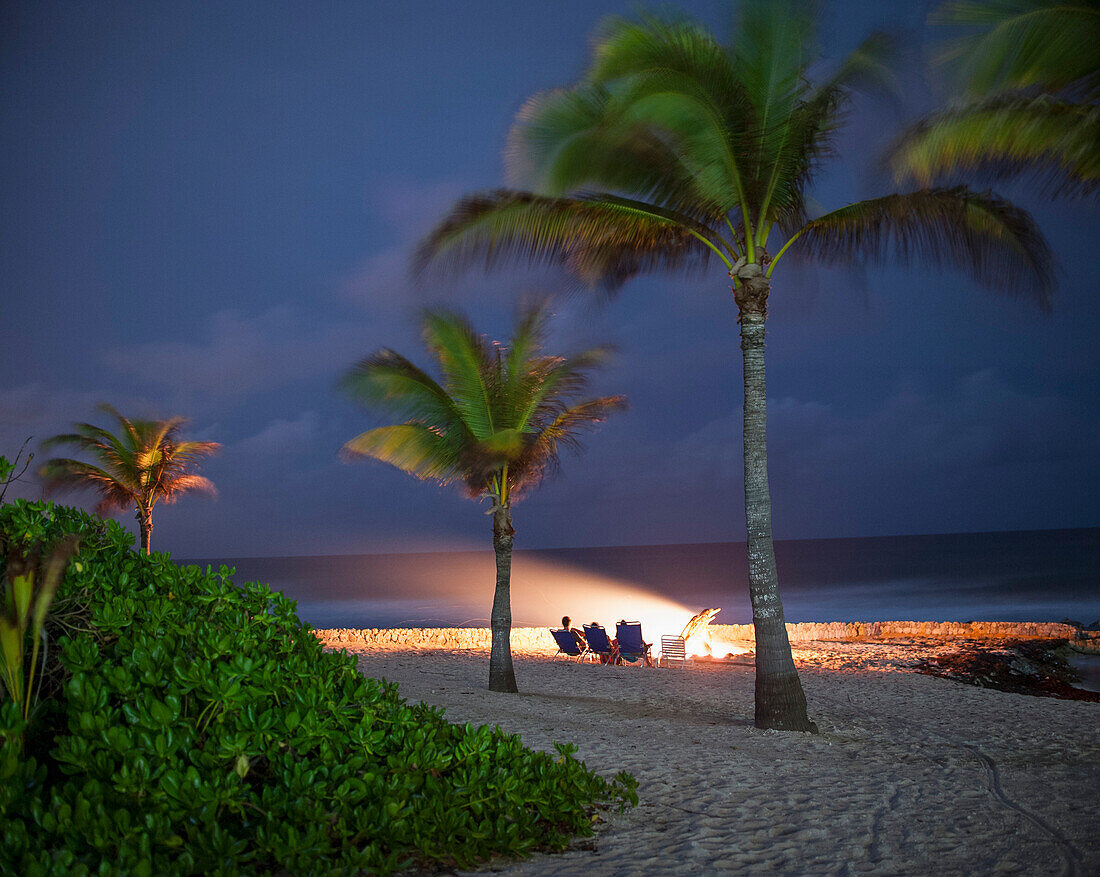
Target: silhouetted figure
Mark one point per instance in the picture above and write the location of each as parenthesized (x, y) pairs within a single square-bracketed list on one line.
[(566, 623)]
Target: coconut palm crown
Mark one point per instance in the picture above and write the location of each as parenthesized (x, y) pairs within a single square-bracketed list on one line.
[(1027, 81), (676, 151), (146, 462), (493, 425)]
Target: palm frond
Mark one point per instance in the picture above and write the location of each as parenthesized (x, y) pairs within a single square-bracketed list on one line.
[(116, 456), (389, 381), (86, 437), (562, 431), (808, 130), (998, 244), (677, 81), (559, 380), (186, 452), (411, 447), (522, 367), (1016, 44), (705, 142), (67, 473), (598, 239), (468, 364), (774, 44), (805, 144), (128, 438), (1050, 140), (802, 133), (625, 48), (188, 483), (569, 423), (586, 138), (868, 68), (159, 435)]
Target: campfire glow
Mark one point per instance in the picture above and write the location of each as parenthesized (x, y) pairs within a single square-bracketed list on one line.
[(544, 590), (700, 642)]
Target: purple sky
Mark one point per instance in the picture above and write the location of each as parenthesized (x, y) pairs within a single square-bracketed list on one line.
[(208, 211)]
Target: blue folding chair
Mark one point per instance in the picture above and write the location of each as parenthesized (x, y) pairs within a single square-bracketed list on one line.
[(567, 645), (631, 645), (598, 643)]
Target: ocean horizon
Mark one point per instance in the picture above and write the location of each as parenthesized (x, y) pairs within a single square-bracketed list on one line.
[(1038, 575)]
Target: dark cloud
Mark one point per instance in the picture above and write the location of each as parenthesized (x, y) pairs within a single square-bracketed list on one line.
[(280, 440), (241, 354)]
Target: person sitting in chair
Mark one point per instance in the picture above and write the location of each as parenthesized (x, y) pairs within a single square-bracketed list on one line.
[(566, 623), (613, 656)]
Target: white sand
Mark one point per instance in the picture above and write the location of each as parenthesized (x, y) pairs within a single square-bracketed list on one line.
[(910, 775)]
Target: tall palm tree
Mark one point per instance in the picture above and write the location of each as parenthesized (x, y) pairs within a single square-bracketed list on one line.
[(1027, 76), (493, 427), (144, 463), (676, 150)]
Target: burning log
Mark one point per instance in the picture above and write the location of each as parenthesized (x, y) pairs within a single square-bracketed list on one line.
[(698, 622), (700, 642)]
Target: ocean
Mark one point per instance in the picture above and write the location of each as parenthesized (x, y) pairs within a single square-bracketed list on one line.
[(1044, 575)]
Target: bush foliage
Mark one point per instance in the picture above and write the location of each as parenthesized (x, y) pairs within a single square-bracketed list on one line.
[(199, 727)]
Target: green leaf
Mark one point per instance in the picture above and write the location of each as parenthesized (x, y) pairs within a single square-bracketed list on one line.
[(998, 244), (1052, 142), (412, 448), (22, 588), (1015, 44)]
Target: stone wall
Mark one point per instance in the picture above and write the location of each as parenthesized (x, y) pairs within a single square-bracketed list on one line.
[(524, 639), (839, 630), (537, 640)]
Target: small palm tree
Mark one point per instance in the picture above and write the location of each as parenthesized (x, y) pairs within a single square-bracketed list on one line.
[(676, 150), (493, 426), (146, 462), (1028, 76)]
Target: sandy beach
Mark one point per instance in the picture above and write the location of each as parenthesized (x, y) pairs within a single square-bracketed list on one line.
[(911, 774)]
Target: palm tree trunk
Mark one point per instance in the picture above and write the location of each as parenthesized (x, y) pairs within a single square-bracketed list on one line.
[(145, 525), (502, 676), (780, 701)]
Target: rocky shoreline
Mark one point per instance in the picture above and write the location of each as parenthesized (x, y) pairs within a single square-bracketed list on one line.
[(1036, 667)]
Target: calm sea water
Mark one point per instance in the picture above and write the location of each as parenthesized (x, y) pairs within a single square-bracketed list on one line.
[(1046, 575)]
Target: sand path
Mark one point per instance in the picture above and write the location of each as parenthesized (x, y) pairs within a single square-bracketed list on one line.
[(910, 775)]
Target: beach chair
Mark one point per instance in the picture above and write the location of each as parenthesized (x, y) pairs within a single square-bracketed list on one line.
[(568, 646), (672, 651), (598, 643), (631, 645)]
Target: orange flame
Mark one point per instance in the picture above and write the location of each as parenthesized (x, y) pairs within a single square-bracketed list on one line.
[(700, 641)]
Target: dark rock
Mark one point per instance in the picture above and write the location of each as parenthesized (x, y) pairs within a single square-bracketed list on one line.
[(1033, 667)]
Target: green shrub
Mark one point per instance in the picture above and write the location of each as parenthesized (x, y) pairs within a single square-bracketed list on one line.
[(202, 729), (30, 584)]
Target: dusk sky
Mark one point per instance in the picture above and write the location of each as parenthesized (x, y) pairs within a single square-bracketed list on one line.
[(209, 209)]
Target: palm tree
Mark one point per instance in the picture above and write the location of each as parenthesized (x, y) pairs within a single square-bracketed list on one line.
[(146, 462), (1028, 75), (493, 426), (676, 150)]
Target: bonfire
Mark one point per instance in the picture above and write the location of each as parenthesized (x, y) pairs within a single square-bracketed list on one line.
[(700, 642)]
